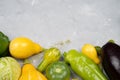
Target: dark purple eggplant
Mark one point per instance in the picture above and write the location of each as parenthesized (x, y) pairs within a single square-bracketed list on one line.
[(111, 60)]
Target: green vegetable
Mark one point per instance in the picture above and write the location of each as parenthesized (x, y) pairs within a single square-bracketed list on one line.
[(4, 44), (98, 49), (58, 71), (83, 66), (51, 55), (9, 69)]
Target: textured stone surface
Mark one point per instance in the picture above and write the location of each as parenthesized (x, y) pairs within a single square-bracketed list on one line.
[(53, 22)]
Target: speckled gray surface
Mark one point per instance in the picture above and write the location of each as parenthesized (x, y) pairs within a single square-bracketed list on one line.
[(49, 22)]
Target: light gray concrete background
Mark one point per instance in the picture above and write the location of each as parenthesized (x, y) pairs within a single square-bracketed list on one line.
[(53, 22)]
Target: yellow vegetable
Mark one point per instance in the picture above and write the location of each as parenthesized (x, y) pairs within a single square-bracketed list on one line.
[(90, 51), (22, 47), (29, 72)]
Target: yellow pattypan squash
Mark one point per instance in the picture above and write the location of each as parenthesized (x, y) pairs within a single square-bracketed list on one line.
[(29, 72), (22, 47), (90, 51)]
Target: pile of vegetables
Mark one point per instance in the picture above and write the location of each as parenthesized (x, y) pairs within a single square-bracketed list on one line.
[(89, 63)]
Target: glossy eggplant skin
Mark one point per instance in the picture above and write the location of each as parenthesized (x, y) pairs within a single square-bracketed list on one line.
[(111, 60)]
